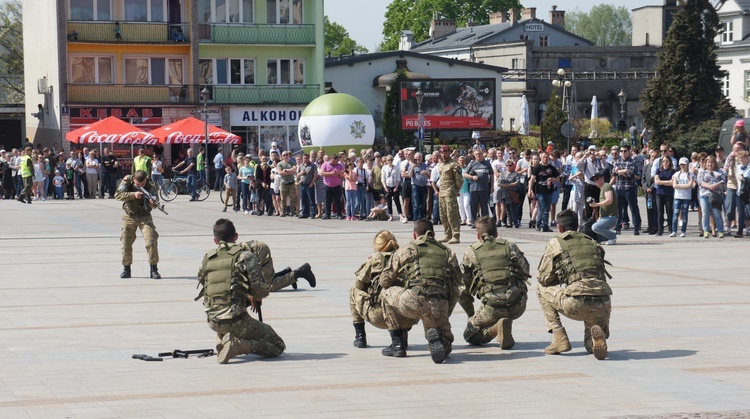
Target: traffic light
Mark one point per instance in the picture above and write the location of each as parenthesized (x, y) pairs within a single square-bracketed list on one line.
[(621, 125)]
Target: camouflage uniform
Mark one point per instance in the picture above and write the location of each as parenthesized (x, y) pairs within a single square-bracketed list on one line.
[(137, 215), (422, 284), (450, 185), (263, 253), (364, 297), (229, 274), (496, 272), (572, 281)]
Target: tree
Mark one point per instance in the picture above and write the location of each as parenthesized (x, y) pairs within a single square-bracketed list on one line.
[(686, 92), (554, 118), (415, 15), (11, 52), (392, 131), (604, 24), (337, 40)]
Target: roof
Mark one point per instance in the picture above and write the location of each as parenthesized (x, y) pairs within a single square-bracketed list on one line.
[(352, 59), (483, 35)]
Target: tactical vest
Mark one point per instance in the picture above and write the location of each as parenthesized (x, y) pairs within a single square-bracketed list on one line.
[(495, 269), (223, 284), (383, 262), (580, 258), (141, 163), (26, 171), (137, 207), (430, 269)]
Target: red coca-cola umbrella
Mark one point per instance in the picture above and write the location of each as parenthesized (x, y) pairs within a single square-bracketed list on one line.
[(111, 130), (192, 131)]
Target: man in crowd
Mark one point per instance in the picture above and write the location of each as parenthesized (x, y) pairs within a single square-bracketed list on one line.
[(307, 174), (541, 186), (480, 172), (109, 173), (288, 191), (333, 175), (627, 190), (419, 175)]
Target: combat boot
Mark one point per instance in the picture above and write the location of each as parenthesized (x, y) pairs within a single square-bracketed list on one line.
[(232, 347), (438, 351), (599, 342), (125, 271), (405, 338), (560, 342), (360, 338), (305, 272), (504, 328), (397, 346), (154, 274)]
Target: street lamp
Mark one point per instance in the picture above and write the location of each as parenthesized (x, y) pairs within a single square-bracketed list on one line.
[(622, 97), (420, 118), (205, 93), (564, 84)]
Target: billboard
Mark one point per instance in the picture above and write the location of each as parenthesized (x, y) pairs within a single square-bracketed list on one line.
[(449, 104)]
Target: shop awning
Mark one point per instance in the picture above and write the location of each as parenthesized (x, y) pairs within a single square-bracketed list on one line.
[(111, 130), (192, 131)]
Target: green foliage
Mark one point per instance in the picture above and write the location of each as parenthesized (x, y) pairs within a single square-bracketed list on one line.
[(554, 118), (415, 15), (687, 91), (11, 52), (702, 138), (392, 131), (584, 128), (337, 40), (605, 25)]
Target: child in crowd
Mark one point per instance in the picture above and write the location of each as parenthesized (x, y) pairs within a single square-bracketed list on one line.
[(380, 211), (70, 180), (230, 184), (58, 182)]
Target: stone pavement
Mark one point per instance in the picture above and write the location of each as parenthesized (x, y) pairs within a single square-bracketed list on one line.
[(69, 326)]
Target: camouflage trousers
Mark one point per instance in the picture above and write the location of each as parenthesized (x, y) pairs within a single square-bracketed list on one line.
[(480, 329), (401, 304), (591, 310), (363, 310), (450, 216), (264, 340), (150, 236), (263, 252), (289, 190)]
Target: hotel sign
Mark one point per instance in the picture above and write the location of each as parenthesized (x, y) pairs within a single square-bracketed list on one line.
[(534, 27)]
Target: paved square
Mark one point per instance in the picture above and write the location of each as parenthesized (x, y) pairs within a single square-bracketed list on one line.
[(69, 326)]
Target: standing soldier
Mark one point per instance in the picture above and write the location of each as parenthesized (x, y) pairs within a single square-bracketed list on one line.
[(138, 215), (26, 171), (450, 185), (421, 284), (573, 281), (495, 272), (231, 278), (364, 297)]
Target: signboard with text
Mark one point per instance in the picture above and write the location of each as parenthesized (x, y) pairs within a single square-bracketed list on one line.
[(449, 104)]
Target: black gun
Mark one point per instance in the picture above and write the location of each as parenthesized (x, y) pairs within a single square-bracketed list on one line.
[(151, 198), (178, 353), (144, 357)]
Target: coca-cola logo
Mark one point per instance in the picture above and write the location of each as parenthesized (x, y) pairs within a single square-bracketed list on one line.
[(133, 137), (177, 137)]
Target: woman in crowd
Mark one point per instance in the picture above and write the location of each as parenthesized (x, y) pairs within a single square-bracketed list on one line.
[(37, 188), (711, 181), (350, 186), (683, 184), (320, 186), (263, 181), (535, 161), (664, 194), (739, 135), (695, 164), (464, 195), (363, 179), (508, 181), (247, 176), (92, 174), (391, 178), (157, 170), (275, 190), (743, 196)]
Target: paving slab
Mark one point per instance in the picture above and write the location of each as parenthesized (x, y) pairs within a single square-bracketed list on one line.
[(69, 326)]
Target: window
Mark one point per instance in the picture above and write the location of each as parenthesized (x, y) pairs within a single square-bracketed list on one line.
[(90, 10), (725, 86), (727, 37), (144, 10), (91, 70), (524, 37), (543, 40), (286, 71), (284, 11), (516, 63), (747, 86), (154, 70), (227, 71), (226, 11)]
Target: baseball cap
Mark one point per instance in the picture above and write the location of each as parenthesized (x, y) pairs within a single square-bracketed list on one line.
[(592, 147), (550, 143), (684, 160), (445, 148), (273, 144), (740, 123), (596, 176)]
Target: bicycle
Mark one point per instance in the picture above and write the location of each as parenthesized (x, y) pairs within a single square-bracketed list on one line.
[(223, 194), (466, 107), (178, 185)]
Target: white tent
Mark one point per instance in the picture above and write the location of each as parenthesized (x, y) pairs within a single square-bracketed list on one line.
[(523, 121), (594, 117)]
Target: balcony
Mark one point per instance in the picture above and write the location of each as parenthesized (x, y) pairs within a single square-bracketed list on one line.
[(240, 33), (115, 94), (132, 32)]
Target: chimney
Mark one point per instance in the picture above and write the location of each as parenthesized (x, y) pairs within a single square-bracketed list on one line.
[(498, 17), (528, 13), (471, 23), (406, 40), (557, 17), (513, 16), (442, 27)]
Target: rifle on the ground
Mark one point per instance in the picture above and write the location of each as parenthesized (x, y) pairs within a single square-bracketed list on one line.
[(151, 198), (177, 353)]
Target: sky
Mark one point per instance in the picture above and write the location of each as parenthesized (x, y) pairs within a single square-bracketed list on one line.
[(364, 18)]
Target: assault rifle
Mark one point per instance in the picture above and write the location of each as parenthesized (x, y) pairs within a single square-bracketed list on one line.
[(151, 198)]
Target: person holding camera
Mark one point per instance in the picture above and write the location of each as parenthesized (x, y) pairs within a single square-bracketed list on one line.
[(604, 226)]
